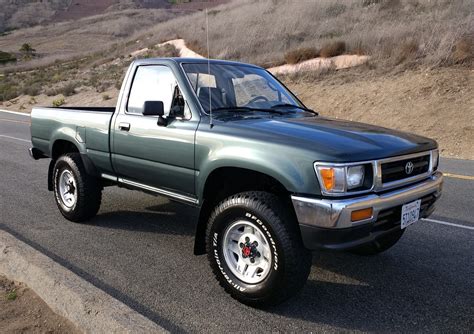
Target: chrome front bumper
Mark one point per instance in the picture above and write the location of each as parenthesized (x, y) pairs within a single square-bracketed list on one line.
[(336, 213)]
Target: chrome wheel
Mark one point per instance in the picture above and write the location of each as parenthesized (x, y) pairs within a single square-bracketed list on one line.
[(247, 252), (67, 188)]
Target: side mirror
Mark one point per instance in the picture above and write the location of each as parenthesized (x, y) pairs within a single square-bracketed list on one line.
[(155, 108)]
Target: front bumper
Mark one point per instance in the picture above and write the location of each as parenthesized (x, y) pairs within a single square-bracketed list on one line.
[(326, 223)]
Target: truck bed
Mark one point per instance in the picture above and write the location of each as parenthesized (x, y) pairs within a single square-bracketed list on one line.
[(88, 126), (79, 109)]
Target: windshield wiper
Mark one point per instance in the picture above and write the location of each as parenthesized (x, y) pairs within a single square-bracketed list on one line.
[(288, 105), (247, 109)]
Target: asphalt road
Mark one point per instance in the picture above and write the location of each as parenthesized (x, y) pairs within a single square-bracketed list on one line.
[(140, 250)]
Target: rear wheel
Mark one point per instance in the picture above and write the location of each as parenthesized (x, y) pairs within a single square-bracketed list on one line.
[(255, 249), (77, 194), (380, 245)]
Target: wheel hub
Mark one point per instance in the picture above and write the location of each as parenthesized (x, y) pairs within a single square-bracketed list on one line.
[(247, 252), (250, 250), (67, 188)]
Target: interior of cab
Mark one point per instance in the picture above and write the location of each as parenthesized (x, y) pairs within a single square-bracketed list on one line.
[(231, 86)]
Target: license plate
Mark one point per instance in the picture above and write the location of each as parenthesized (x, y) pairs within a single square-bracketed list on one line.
[(410, 213)]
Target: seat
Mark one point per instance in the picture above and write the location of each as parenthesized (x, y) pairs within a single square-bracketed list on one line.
[(216, 97)]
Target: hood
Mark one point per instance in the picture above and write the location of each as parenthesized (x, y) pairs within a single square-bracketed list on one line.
[(331, 139)]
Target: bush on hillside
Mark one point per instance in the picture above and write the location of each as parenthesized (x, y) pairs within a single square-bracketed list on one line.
[(408, 50), (6, 57), (463, 51), (68, 89), (302, 54), (58, 102), (333, 49), (31, 90)]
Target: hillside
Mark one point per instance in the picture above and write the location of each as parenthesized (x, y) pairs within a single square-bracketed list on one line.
[(26, 13), (418, 77)]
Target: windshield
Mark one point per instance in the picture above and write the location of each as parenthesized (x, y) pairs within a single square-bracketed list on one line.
[(238, 86)]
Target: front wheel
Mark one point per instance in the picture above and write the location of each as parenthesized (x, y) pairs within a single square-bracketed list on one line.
[(255, 249)]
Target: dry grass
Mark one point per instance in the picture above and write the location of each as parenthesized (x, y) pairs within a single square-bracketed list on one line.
[(265, 31), (302, 54), (123, 31), (398, 33), (333, 49), (197, 47), (463, 51), (436, 103)]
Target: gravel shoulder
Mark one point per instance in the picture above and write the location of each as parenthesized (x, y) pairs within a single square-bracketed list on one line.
[(22, 311)]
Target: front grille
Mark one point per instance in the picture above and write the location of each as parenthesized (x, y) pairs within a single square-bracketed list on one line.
[(390, 218), (396, 170)]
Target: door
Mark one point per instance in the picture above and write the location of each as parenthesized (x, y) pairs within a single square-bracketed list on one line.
[(145, 153)]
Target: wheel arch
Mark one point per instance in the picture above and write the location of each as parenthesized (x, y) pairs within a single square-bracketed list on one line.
[(236, 180), (61, 147)]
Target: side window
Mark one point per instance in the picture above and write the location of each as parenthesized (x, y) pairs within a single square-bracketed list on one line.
[(152, 83)]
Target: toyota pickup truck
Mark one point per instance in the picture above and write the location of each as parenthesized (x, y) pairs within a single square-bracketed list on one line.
[(272, 179)]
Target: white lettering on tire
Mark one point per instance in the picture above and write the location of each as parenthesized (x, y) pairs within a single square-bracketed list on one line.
[(218, 261), (267, 232)]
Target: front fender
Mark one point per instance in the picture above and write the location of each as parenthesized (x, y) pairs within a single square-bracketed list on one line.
[(293, 172)]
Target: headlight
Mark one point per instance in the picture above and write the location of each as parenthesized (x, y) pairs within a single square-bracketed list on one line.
[(339, 179), (434, 160), (355, 177)]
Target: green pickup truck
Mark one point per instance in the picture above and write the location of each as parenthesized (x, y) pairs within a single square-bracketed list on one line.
[(272, 179)]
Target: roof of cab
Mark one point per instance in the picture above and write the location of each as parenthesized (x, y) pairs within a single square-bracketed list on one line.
[(191, 61)]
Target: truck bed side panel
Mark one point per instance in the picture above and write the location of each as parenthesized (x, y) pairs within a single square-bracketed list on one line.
[(88, 130)]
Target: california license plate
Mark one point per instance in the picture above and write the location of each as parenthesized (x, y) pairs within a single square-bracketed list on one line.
[(410, 213)]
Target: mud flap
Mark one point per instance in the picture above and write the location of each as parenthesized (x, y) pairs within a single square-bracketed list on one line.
[(50, 174)]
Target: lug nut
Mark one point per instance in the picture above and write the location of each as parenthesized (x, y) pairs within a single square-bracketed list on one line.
[(247, 239), (241, 245), (252, 260)]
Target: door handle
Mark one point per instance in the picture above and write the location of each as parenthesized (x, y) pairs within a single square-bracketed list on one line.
[(124, 126)]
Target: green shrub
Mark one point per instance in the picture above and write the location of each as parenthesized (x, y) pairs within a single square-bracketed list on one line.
[(8, 91), (6, 57), (12, 295), (58, 102)]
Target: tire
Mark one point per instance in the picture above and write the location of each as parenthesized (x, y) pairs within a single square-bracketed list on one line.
[(283, 264), (82, 193), (378, 246)]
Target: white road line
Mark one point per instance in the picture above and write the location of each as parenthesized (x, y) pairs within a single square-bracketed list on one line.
[(26, 141), (15, 112), (449, 224)]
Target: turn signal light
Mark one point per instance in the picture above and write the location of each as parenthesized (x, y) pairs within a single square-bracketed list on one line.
[(361, 214), (327, 174)]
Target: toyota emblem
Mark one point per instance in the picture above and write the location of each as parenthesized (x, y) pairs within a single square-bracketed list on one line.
[(409, 168)]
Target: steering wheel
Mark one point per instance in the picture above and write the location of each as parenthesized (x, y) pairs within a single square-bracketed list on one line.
[(257, 98)]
